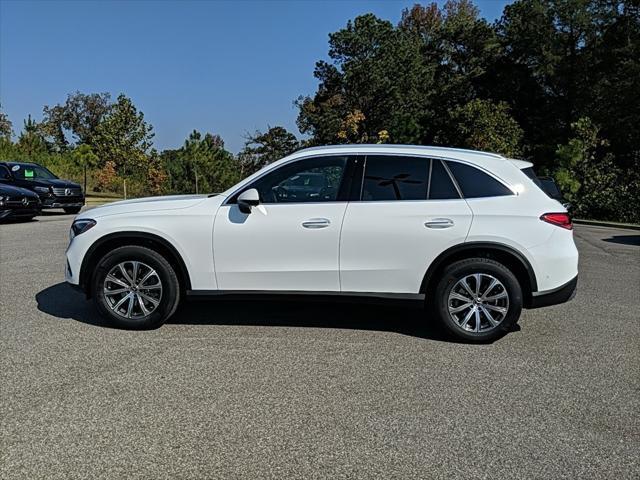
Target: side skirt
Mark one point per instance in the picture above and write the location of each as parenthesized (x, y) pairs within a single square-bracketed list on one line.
[(296, 295)]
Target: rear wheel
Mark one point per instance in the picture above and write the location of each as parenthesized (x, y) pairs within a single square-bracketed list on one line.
[(478, 299), (135, 287), (73, 210)]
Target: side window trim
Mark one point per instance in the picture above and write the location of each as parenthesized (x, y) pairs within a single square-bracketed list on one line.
[(363, 170), (431, 160), (357, 181)]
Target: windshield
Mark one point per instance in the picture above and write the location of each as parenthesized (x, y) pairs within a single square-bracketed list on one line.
[(31, 172)]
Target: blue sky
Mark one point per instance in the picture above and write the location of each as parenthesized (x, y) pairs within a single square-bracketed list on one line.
[(224, 67)]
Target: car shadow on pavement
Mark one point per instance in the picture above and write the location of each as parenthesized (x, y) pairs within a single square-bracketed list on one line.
[(406, 318), (624, 239)]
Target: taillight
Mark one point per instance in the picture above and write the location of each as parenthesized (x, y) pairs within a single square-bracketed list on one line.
[(560, 219)]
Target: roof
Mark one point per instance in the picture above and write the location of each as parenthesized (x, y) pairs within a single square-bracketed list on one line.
[(424, 149)]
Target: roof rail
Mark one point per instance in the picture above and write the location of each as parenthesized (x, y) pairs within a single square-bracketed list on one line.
[(388, 146)]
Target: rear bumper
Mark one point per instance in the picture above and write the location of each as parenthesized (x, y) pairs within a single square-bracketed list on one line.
[(556, 296)]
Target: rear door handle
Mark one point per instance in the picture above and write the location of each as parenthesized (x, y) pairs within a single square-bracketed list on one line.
[(316, 223), (439, 223)]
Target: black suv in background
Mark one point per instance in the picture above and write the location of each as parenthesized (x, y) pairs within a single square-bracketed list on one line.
[(18, 203), (53, 191)]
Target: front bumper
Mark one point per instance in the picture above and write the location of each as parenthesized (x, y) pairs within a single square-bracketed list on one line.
[(54, 201), (62, 205), (19, 212), (556, 296)]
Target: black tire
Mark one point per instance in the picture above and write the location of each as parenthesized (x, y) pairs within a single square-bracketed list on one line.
[(459, 270), (73, 210), (169, 299)]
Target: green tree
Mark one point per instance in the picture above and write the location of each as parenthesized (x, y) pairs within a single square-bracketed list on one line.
[(123, 137), (589, 178), (6, 127), (375, 82), (79, 116), (399, 84), (260, 149), (484, 125), (202, 160), (31, 141)]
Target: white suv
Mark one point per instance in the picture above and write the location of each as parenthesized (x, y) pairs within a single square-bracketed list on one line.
[(471, 233)]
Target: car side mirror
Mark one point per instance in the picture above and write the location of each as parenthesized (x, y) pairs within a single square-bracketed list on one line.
[(247, 199)]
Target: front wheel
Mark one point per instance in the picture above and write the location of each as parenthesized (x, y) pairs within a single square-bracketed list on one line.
[(73, 210), (135, 287), (478, 299)]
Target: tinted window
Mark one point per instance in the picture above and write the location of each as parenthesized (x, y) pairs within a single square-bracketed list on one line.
[(475, 184), (4, 172), (550, 187), (441, 186), (395, 178), (311, 180), (30, 172), (530, 172), (546, 184)]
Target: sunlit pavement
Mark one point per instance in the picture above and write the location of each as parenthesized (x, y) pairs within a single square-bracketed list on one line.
[(315, 390)]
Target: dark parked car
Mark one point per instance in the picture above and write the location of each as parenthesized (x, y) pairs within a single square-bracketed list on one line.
[(53, 191), (18, 203)]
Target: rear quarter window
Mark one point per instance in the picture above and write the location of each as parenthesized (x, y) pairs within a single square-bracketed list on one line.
[(474, 183)]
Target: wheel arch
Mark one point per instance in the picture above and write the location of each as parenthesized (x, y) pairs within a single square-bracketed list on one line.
[(132, 238), (508, 256)]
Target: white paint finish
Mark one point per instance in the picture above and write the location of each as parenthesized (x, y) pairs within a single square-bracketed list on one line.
[(515, 221), (270, 249), (555, 262), (188, 228), (383, 246), (386, 246), (148, 204)]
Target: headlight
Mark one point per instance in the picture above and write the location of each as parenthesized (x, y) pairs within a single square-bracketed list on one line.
[(41, 189), (2, 199), (81, 226)]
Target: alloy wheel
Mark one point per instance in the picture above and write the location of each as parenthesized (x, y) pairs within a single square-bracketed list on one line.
[(132, 289), (478, 302)]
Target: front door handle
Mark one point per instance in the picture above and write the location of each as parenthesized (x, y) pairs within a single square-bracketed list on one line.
[(316, 223), (439, 223)]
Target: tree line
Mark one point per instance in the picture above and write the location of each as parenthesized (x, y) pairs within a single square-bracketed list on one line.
[(555, 82)]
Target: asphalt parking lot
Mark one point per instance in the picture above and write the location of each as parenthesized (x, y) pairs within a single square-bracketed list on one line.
[(315, 390)]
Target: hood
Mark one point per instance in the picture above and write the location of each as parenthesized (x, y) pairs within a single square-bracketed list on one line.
[(52, 182), (16, 191), (147, 204), (58, 182)]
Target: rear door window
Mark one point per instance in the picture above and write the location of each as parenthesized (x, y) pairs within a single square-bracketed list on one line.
[(388, 177), (474, 183)]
